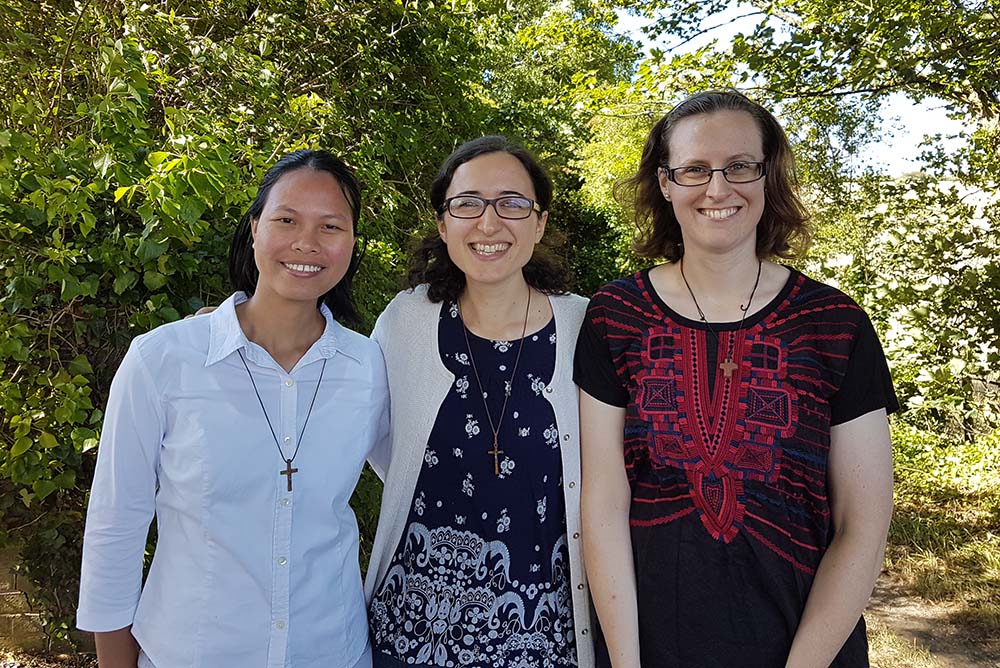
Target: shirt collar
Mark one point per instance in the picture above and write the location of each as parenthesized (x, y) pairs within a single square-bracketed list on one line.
[(227, 337)]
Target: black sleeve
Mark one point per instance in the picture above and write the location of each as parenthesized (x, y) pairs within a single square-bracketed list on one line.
[(867, 385), (594, 369)]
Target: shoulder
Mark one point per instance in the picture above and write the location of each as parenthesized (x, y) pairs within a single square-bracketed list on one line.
[(627, 287), (808, 294), (187, 335), (409, 304), (568, 305), (356, 345)]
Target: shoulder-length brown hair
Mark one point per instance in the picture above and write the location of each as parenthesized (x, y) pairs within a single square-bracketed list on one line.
[(782, 230), (430, 263)]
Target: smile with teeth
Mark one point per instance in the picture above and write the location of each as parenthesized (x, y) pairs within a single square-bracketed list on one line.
[(307, 268), (490, 249), (719, 214)]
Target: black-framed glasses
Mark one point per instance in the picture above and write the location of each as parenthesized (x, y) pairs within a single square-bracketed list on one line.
[(512, 207), (742, 171)]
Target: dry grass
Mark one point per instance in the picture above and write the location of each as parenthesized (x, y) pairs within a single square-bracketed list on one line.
[(944, 542), (888, 650)]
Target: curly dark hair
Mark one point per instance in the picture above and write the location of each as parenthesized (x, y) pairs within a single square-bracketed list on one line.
[(243, 272), (430, 263), (782, 231)]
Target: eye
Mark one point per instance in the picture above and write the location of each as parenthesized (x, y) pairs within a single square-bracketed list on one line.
[(741, 167), (286, 220), (693, 170), (466, 203), (514, 203)]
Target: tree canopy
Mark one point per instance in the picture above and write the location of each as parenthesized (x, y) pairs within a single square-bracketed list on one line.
[(132, 135)]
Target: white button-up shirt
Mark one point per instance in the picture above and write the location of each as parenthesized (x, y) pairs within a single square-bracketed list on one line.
[(246, 573)]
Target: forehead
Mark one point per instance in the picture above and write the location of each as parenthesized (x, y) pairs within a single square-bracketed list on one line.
[(315, 186), (492, 174), (716, 136)]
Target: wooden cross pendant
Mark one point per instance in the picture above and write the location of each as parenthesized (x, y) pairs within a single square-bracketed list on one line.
[(288, 472), (728, 367), (496, 452)]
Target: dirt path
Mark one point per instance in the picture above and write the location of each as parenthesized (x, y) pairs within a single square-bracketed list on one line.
[(930, 626)]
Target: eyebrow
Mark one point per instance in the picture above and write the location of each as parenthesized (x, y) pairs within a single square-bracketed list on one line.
[(749, 157), (287, 209), (503, 193)]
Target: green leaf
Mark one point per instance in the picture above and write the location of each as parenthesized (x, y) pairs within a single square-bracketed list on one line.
[(21, 446), (47, 440), (43, 488), (154, 280), (125, 281), (150, 250), (121, 192), (81, 365)]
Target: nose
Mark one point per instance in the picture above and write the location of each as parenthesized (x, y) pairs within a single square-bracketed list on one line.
[(718, 186), (489, 221), (306, 241)]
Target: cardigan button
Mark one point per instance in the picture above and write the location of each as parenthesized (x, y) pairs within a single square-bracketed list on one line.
[(576, 534), (580, 586), (548, 389), (572, 484), (583, 632), (565, 437)]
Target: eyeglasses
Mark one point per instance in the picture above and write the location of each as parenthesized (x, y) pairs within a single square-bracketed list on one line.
[(737, 172), (511, 207)]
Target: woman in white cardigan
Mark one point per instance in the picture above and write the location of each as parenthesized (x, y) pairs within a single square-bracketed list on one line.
[(476, 559)]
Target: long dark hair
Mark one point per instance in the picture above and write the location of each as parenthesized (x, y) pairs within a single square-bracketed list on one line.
[(782, 230), (243, 272), (546, 271)]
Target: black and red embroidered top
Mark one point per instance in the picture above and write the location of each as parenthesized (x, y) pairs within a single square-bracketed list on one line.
[(730, 510)]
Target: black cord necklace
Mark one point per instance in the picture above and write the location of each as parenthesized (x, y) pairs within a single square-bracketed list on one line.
[(727, 366), (496, 451), (288, 471)]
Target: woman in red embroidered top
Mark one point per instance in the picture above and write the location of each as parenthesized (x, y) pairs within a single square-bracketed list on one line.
[(737, 475)]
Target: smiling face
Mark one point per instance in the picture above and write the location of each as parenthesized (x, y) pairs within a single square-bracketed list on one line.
[(490, 249), (304, 237), (718, 217)]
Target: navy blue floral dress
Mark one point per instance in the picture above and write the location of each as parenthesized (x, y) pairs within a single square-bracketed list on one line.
[(481, 573)]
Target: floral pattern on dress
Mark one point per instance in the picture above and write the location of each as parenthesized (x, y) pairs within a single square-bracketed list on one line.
[(471, 612), (480, 577)]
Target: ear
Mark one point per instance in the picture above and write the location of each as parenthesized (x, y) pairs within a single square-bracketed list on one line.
[(253, 230), (442, 229), (661, 176), (543, 218)]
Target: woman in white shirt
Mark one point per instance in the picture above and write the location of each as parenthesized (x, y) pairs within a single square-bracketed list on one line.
[(244, 432)]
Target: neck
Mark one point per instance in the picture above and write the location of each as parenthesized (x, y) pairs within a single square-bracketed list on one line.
[(285, 329), (498, 311), (720, 289)]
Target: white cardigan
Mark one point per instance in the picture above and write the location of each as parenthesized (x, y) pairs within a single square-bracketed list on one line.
[(407, 332)]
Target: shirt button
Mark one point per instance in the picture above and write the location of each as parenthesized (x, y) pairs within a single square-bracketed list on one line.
[(282, 561), (280, 624), (289, 382), (285, 502), (288, 439), (572, 484)]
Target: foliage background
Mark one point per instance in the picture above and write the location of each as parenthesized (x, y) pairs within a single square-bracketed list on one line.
[(132, 135)]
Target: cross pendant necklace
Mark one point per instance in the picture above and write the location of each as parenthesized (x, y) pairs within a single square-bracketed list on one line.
[(496, 451), (728, 366), (288, 470)]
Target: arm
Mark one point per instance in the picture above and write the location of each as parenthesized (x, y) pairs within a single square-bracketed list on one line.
[(380, 454), (122, 501), (116, 649), (607, 543), (860, 479)]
